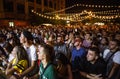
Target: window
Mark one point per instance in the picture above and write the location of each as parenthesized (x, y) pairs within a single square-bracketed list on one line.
[(8, 6), (55, 6), (39, 10), (31, 0), (38, 1), (20, 8), (51, 4), (45, 2), (30, 9)]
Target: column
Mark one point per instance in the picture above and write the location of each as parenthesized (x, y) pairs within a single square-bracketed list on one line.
[(1, 9), (62, 5), (15, 9), (53, 6), (42, 5), (35, 5), (57, 4), (26, 9), (48, 3)]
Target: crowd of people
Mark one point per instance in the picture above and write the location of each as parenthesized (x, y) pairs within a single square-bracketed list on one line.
[(59, 52)]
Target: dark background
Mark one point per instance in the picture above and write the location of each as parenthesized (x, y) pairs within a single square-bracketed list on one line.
[(91, 2)]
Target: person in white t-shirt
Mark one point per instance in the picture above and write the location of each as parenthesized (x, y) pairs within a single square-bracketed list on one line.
[(112, 57), (26, 40)]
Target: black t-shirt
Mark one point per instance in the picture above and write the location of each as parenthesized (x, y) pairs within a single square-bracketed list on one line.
[(99, 67)]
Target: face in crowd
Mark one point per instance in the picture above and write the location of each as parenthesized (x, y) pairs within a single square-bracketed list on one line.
[(87, 36), (92, 54), (40, 53), (59, 39), (113, 45), (77, 42), (22, 38)]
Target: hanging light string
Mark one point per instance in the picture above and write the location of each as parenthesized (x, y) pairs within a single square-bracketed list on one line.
[(105, 15), (78, 17), (84, 5), (108, 12)]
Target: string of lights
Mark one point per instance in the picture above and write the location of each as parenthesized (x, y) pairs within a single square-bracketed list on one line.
[(114, 12), (78, 16), (85, 5)]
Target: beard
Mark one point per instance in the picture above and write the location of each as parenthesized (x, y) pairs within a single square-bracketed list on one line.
[(59, 43)]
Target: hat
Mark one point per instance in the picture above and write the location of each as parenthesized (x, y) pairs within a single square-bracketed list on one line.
[(28, 35)]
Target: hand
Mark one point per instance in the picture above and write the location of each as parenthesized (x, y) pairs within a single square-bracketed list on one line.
[(19, 76), (16, 76), (94, 76)]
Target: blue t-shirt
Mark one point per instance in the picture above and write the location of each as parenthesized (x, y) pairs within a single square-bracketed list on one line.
[(78, 53), (76, 56)]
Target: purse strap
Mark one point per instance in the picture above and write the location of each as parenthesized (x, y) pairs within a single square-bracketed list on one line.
[(45, 69), (111, 56)]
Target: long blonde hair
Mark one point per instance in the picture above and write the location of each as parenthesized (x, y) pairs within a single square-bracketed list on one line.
[(21, 53)]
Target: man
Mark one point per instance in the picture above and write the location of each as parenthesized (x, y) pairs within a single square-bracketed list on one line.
[(87, 40), (77, 52), (117, 35), (61, 47), (93, 67), (112, 57), (26, 40), (46, 70)]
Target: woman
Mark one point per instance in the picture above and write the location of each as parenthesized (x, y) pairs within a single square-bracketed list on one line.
[(19, 63), (47, 70), (63, 66)]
